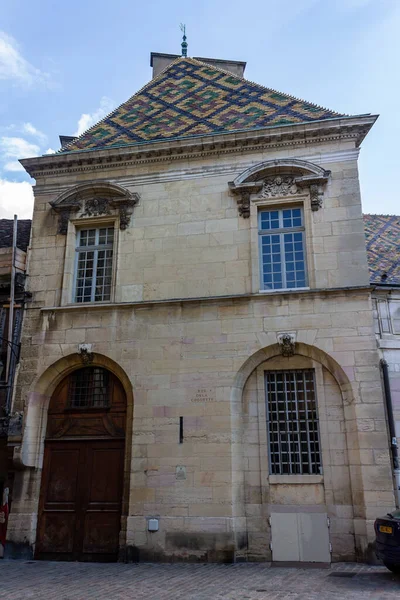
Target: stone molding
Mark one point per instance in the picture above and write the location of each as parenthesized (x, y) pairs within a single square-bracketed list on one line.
[(276, 179), (212, 170), (94, 199), (301, 134)]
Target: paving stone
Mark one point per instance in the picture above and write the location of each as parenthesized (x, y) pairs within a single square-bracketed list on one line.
[(252, 581)]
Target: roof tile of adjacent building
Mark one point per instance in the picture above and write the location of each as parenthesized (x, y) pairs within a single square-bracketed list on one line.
[(23, 233), (191, 98), (382, 234)]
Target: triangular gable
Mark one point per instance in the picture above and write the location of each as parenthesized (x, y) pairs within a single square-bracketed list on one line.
[(191, 98)]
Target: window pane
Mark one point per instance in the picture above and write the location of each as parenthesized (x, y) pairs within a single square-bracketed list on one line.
[(269, 219), (89, 388), (94, 267), (282, 254), (292, 423), (294, 260)]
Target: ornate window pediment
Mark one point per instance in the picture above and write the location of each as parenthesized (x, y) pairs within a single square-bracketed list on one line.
[(92, 200), (279, 178)]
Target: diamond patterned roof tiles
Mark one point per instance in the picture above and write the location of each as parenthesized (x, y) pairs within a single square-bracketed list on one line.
[(191, 98), (382, 234)]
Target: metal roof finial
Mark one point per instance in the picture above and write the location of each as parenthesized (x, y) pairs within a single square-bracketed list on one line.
[(184, 42)]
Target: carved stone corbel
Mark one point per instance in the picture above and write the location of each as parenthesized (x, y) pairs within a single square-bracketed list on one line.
[(316, 196), (287, 343), (125, 211), (64, 214), (243, 202), (243, 193)]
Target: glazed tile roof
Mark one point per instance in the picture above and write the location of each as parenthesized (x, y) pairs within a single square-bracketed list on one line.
[(191, 98), (382, 234), (23, 233)]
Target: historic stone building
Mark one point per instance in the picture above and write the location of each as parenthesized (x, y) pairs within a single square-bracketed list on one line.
[(383, 248), (199, 374)]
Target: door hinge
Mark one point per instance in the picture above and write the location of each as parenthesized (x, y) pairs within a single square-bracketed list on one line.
[(269, 521), (328, 522), (270, 546), (330, 547)]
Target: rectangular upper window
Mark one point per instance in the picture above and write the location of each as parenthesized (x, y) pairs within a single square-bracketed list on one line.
[(292, 423), (282, 249), (93, 264)]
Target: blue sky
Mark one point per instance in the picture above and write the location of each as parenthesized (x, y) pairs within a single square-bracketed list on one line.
[(64, 65)]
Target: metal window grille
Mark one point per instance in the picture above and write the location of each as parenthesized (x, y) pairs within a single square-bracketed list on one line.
[(94, 256), (292, 423), (89, 388), (282, 249)]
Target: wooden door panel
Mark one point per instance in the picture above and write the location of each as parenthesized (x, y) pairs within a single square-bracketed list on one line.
[(101, 533), (59, 498), (104, 465), (63, 476), (58, 529)]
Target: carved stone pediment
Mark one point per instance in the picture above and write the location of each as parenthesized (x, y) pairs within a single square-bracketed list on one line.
[(278, 179), (92, 200)]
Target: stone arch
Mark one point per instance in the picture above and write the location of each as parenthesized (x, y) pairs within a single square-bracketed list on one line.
[(39, 398), (302, 349), (236, 398), (274, 167)]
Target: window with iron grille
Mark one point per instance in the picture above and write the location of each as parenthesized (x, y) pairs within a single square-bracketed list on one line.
[(282, 249), (93, 268), (292, 423), (89, 388)]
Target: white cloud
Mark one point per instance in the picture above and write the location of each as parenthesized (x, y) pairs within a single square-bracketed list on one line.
[(13, 165), (15, 67), (31, 130), (88, 119), (16, 147), (50, 151), (15, 198)]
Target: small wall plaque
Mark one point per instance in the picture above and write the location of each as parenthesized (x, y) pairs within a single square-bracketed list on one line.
[(180, 473)]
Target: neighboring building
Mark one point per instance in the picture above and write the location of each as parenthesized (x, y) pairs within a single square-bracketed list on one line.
[(199, 372), (9, 348), (383, 247)]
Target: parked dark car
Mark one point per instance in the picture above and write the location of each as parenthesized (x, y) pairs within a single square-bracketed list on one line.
[(387, 530)]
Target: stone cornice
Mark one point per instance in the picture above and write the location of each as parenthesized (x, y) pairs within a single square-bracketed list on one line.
[(251, 296), (313, 132)]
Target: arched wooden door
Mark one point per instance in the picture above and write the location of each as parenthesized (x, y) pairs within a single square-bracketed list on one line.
[(82, 480)]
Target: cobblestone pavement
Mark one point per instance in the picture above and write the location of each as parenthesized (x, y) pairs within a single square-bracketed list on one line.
[(25, 580)]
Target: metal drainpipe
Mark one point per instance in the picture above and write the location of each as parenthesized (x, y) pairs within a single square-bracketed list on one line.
[(392, 429)]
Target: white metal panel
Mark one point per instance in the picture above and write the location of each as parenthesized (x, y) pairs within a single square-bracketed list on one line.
[(300, 537), (313, 537), (285, 538)]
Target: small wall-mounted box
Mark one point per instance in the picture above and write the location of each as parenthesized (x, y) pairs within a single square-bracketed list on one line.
[(152, 524)]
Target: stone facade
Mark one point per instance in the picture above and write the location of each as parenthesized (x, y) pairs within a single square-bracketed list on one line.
[(189, 334)]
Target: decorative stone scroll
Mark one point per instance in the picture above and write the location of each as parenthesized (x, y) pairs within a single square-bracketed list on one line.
[(287, 343), (93, 200), (281, 185), (96, 206)]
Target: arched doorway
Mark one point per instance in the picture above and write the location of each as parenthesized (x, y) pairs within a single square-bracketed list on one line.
[(82, 482)]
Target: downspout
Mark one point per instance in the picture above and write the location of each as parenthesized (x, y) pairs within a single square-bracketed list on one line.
[(392, 428)]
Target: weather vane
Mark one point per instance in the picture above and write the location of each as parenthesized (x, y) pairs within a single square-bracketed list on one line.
[(184, 42)]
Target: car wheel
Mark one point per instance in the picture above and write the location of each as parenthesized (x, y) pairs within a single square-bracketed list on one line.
[(392, 567)]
